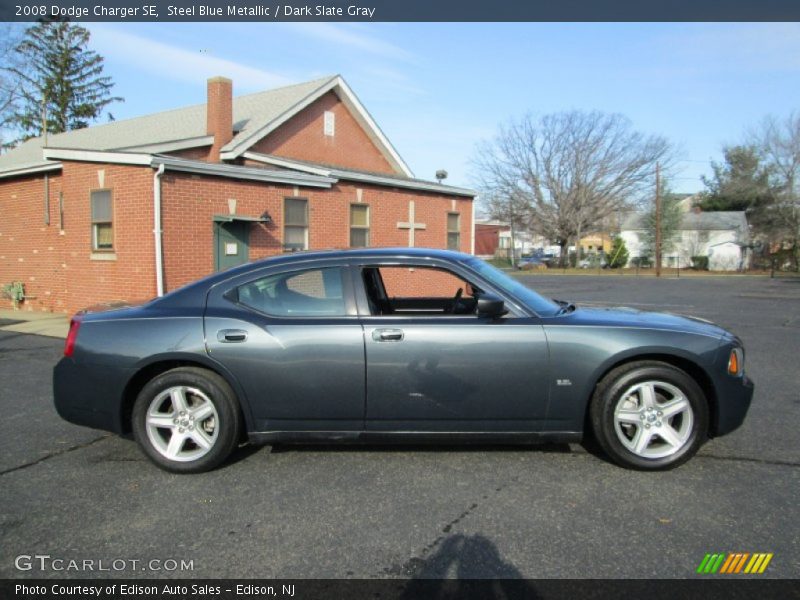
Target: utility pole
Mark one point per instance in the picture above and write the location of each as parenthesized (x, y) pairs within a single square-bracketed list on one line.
[(658, 220)]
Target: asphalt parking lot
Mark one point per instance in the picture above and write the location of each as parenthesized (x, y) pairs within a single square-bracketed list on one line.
[(373, 512)]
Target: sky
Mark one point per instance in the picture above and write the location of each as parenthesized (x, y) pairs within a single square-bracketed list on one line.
[(438, 89)]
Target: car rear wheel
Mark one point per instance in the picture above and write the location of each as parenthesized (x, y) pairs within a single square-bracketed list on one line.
[(187, 420), (649, 415)]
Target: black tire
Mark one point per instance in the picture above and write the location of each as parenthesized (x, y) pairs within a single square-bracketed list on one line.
[(609, 433), (203, 387)]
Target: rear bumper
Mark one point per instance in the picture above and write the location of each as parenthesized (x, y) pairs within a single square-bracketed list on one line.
[(734, 395), (88, 395)]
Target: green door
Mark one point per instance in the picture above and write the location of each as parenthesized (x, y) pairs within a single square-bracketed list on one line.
[(230, 244)]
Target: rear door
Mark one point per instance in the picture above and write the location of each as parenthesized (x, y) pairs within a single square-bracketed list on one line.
[(293, 340)]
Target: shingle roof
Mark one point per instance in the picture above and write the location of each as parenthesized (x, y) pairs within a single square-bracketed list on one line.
[(250, 113), (691, 221)]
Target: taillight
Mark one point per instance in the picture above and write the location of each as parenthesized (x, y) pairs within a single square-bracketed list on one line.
[(736, 362), (72, 336)]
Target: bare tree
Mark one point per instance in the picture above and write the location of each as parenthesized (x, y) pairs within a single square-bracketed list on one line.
[(566, 172), (779, 142)]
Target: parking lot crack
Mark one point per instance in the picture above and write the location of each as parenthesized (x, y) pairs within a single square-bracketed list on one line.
[(415, 563), (54, 454)]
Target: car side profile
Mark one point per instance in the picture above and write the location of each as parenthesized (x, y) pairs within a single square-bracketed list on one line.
[(395, 345)]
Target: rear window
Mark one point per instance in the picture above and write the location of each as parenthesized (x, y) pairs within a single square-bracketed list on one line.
[(308, 293)]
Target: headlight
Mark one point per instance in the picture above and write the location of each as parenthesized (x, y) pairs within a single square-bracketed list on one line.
[(736, 362)]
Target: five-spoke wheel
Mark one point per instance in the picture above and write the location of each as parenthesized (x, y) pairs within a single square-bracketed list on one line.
[(649, 415), (187, 420)]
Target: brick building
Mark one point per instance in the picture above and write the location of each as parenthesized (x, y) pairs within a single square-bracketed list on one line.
[(135, 208)]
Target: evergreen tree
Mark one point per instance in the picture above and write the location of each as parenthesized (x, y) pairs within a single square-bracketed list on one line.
[(741, 183), (62, 82), (618, 257)]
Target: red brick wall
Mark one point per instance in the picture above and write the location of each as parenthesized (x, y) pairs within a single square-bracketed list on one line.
[(190, 202), (57, 268), (302, 138), (201, 153)]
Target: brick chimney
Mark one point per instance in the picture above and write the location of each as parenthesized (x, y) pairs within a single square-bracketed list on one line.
[(219, 114)]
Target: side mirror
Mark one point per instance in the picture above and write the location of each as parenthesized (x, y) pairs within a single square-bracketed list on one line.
[(491, 306)]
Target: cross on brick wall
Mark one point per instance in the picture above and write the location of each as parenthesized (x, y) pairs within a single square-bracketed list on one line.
[(410, 224)]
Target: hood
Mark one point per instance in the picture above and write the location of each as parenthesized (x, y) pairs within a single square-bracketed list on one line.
[(630, 317)]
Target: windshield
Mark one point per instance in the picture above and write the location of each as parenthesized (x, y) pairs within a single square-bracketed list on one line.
[(542, 306)]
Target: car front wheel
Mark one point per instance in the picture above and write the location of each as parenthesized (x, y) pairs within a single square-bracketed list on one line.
[(649, 415), (187, 420)]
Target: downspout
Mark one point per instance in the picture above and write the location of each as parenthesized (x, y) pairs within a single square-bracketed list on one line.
[(157, 229), (472, 237)]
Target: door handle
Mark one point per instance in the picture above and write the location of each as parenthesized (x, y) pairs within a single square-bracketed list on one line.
[(387, 335), (227, 336)]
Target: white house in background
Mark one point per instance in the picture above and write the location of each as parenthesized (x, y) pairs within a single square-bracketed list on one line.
[(721, 236)]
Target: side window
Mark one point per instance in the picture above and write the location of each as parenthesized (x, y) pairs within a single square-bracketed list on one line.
[(416, 290), (309, 293)]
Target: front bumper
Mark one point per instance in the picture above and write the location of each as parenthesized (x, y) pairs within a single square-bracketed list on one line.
[(734, 395)]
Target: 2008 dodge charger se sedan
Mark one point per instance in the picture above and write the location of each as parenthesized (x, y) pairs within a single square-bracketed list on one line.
[(395, 345)]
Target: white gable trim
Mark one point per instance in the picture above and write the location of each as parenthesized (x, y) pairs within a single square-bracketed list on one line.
[(348, 175), (233, 150), (120, 158), (286, 164), (238, 172)]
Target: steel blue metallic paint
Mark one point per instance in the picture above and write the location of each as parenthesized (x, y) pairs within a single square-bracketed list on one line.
[(524, 376)]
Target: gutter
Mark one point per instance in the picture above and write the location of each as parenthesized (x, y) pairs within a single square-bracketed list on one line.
[(157, 230), (29, 170)]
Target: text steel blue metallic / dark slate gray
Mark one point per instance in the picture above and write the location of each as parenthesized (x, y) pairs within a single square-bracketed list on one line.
[(312, 347)]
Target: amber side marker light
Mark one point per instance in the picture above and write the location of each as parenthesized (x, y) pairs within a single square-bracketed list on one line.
[(735, 362), (69, 345)]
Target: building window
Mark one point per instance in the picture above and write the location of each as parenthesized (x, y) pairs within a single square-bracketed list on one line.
[(102, 220), (359, 225), (329, 127), (453, 231), (295, 224)]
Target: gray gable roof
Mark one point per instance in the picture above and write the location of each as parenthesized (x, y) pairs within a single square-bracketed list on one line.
[(251, 113), (691, 221)]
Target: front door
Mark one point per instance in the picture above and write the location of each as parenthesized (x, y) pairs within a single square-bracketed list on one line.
[(434, 365), (231, 244)]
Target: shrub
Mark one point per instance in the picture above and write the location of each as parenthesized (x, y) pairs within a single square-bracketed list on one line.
[(618, 257), (700, 263)]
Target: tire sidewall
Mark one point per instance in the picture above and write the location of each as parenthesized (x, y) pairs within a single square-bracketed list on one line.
[(220, 395), (610, 395)]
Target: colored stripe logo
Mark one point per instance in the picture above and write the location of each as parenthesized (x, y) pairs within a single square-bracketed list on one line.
[(732, 563)]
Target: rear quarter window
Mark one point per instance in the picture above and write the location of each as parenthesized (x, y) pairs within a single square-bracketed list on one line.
[(309, 293)]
